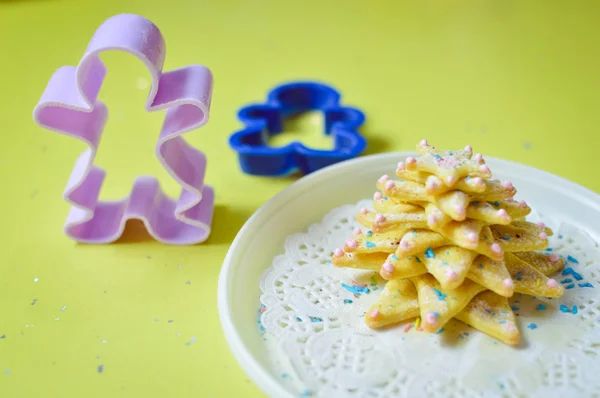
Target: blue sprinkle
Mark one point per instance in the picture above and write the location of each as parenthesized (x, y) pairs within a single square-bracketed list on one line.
[(541, 307), (488, 311), (496, 204), (571, 286), (441, 296), (518, 277), (475, 203), (418, 259), (574, 310), (572, 259), (560, 236), (532, 326), (568, 280), (369, 233), (394, 257), (298, 319), (314, 319), (100, 368), (429, 253), (571, 271), (436, 314), (514, 308), (480, 265), (549, 249), (506, 237), (564, 308), (587, 284), (347, 301), (440, 331), (355, 289), (437, 157), (370, 244), (385, 198), (306, 393)]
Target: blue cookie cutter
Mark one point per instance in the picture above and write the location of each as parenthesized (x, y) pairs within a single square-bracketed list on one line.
[(265, 120)]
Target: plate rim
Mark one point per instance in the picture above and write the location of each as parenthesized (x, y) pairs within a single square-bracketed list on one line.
[(261, 376)]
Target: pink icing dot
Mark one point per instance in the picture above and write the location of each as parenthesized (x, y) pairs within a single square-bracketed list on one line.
[(431, 184), (431, 318), (460, 211), (451, 275), (384, 178), (542, 225), (374, 314), (363, 211), (496, 248), (432, 219), (508, 283), (377, 196), (510, 200), (338, 252), (401, 166), (523, 203), (410, 160), (468, 148), (554, 257), (423, 143), (502, 213), (507, 185), (543, 235), (478, 158), (351, 243), (450, 180), (552, 283), (484, 168), (379, 217), (388, 267), (357, 231), (404, 244), (472, 237), (478, 181), (389, 185)]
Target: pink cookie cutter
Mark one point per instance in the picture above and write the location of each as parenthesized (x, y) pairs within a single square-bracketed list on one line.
[(69, 106)]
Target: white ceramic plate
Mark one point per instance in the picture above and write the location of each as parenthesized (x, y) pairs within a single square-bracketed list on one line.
[(306, 202)]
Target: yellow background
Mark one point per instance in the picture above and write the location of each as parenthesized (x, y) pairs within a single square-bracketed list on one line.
[(518, 80)]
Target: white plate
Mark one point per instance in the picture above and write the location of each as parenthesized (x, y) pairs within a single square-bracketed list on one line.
[(306, 202)]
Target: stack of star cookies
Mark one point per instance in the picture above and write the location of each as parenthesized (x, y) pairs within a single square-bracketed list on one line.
[(452, 243)]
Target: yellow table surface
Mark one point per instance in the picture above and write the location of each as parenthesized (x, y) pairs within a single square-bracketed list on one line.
[(516, 80)]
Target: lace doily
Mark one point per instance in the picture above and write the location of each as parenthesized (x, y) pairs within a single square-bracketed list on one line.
[(319, 346)]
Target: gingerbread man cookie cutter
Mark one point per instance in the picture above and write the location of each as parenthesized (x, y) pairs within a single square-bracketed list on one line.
[(261, 121), (69, 106)]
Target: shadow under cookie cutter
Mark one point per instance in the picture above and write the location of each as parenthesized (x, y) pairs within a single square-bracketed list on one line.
[(69, 106), (267, 119)]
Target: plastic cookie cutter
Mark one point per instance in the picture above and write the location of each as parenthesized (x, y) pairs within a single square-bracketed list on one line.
[(262, 121), (69, 106)]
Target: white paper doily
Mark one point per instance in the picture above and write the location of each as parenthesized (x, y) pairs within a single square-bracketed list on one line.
[(319, 345)]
